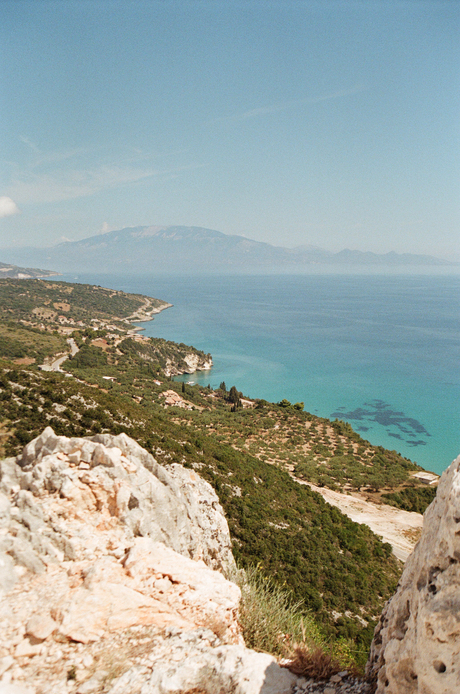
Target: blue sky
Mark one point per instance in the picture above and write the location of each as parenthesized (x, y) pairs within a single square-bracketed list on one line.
[(292, 122)]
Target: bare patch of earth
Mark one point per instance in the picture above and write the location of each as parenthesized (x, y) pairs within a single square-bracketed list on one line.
[(401, 529)]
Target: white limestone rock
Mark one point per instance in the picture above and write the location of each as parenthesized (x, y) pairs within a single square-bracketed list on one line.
[(27, 649), (110, 569), (9, 475), (177, 508), (416, 646), (188, 664), (7, 688), (205, 596), (97, 540), (210, 524), (5, 511), (8, 575), (203, 532), (40, 626)]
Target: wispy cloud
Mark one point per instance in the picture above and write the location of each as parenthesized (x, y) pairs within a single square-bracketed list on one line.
[(56, 176), (288, 105), (67, 174), (30, 144), (40, 187)]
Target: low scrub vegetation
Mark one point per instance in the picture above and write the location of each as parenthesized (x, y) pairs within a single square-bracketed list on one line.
[(272, 622), (321, 579), (411, 498), (42, 301), (21, 341), (317, 553), (270, 619)]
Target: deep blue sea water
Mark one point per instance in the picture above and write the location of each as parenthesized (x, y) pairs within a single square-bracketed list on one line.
[(381, 352)]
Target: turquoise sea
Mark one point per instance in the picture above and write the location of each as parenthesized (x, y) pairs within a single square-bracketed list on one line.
[(382, 352)]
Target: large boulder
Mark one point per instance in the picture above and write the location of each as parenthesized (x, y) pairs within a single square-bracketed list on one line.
[(191, 666), (112, 577), (416, 646), (116, 476)]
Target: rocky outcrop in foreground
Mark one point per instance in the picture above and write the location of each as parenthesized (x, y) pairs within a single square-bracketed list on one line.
[(111, 577), (416, 647)]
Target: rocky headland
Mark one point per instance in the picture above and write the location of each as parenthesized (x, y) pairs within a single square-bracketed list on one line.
[(15, 272)]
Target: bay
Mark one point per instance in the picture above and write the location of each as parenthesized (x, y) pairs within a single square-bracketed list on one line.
[(381, 352)]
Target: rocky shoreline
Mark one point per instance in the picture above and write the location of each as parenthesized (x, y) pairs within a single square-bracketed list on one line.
[(146, 313)]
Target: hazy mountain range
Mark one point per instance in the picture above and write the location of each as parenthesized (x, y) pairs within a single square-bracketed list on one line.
[(194, 250)]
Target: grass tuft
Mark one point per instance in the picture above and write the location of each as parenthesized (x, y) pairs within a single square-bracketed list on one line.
[(273, 622), (313, 662)]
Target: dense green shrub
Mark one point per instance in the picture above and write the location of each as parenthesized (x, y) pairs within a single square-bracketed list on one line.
[(89, 357), (10, 348), (411, 498)]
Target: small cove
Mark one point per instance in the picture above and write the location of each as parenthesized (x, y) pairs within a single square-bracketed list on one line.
[(381, 352)]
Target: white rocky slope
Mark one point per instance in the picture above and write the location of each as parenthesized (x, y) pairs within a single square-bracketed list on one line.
[(110, 577), (416, 646)]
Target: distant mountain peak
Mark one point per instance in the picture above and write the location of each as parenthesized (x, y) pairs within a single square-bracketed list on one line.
[(175, 248)]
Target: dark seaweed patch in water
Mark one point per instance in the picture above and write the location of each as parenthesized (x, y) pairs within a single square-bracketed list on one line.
[(395, 422)]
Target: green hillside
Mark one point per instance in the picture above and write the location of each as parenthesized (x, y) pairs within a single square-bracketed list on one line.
[(40, 302), (290, 531), (248, 450)]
